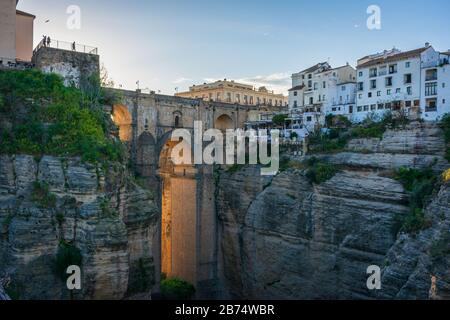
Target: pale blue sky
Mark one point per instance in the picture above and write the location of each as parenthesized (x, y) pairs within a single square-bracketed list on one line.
[(177, 43)]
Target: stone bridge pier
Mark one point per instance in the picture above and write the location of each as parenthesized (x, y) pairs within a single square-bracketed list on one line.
[(187, 246)]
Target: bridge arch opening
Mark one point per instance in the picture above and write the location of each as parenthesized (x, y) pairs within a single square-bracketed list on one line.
[(179, 215), (224, 122), (122, 118)]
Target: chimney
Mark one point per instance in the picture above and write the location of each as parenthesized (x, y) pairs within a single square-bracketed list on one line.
[(427, 44)]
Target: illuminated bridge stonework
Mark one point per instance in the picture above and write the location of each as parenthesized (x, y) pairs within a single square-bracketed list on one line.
[(188, 229)]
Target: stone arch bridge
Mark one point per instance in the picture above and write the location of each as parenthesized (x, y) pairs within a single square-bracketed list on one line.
[(188, 229)]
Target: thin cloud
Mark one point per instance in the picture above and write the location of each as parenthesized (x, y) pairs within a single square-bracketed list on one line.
[(182, 80)]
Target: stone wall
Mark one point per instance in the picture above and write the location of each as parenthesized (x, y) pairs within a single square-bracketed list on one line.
[(75, 67)]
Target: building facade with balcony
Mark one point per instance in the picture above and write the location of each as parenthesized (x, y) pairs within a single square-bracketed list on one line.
[(411, 82), (320, 90), (435, 93), (229, 91)]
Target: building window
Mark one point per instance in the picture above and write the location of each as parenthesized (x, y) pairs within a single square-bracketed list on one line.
[(389, 92), (373, 72), (228, 97), (378, 93), (310, 84), (218, 97), (369, 94), (431, 75), (373, 84), (398, 90), (295, 93), (366, 108), (360, 74), (359, 108), (382, 71), (409, 91), (309, 119), (388, 81), (373, 107), (431, 89), (316, 86), (380, 106), (309, 76), (407, 64), (311, 100), (238, 98), (431, 105), (360, 86), (392, 69), (324, 84), (408, 78), (295, 104), (350, 109)]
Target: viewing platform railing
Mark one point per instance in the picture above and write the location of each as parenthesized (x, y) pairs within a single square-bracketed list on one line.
[(68, 46)]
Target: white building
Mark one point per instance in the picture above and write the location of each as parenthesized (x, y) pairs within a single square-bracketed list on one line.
[(435, 93), (320, 90), (403, 81)]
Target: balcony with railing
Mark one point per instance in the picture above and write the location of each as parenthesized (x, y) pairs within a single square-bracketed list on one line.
[(67, 46)]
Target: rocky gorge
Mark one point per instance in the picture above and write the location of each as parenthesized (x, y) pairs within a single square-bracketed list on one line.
[(286, 238), (51, 202), (280, 237)]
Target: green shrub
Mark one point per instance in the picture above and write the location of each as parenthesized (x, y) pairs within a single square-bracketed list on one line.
[(235, 168), (279, 119), (67, 255), (319, 171), (420, 185), (176, 289), (42, 196), (445, 125), (49, 118)]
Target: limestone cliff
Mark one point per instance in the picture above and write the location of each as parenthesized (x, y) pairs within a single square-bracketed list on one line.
[(99, 210), (285, 238)]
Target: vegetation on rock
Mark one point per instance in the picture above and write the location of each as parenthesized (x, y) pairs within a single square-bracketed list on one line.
[(339, 131), (42, 116), (445, 125), (176, 289), (420, 185), (319, 171), (41, 195), (67, 255)]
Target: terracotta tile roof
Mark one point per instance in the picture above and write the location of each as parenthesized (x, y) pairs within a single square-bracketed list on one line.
[(394, 57)]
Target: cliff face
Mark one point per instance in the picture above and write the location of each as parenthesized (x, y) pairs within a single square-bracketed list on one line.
[(98, 210), (284, 238)]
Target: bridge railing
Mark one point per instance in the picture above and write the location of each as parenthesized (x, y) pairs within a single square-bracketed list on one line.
[(64, 45)]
